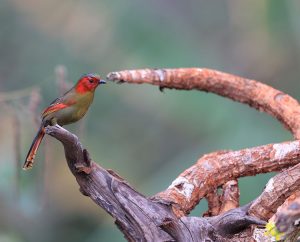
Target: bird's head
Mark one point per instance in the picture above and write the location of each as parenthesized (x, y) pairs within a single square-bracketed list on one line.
[(88, 83)]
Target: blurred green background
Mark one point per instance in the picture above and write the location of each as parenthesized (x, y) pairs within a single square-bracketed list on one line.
[(148, 137)]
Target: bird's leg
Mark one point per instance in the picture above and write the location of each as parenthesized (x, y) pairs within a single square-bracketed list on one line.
[(53, 122)]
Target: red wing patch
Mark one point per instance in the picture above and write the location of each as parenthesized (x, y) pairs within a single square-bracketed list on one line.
[(53, 108)]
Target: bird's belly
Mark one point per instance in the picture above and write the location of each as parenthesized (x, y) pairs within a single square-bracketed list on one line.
[(66, 116)]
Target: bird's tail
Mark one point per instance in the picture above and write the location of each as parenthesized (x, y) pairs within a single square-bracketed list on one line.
[(33, 148)]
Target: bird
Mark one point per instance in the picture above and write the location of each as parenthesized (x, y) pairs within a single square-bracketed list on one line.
[(68, 108)]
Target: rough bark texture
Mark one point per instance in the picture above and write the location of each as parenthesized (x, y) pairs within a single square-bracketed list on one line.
[(278, 189), (214, 170), (164, 216)]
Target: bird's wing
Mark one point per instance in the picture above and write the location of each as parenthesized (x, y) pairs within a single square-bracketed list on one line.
[(57, 104), (53, 108)]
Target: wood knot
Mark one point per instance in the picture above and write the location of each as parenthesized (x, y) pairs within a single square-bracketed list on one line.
[(82, 168), (279, 96)]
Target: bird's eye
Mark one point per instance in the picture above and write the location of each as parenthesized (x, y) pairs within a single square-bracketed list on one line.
[(91, 80)]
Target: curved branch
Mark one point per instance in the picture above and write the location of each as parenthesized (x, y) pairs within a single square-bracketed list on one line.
[(260, 96), (216, 169)]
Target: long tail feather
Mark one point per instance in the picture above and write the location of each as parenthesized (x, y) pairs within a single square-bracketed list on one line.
[(33, 148)]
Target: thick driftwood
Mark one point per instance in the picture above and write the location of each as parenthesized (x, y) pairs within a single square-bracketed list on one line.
[(138, 217)]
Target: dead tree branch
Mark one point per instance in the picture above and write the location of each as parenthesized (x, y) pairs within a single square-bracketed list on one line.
[(258, 95)]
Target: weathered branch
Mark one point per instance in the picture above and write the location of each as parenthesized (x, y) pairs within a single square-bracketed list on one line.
[(163, 217)]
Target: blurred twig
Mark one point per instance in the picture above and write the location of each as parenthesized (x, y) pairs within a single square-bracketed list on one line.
[(61, 74), (16, 126), (13, 95), (14, 103), (34, 102)]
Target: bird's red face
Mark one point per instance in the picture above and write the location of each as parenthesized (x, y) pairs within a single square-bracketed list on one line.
[(88, 83)]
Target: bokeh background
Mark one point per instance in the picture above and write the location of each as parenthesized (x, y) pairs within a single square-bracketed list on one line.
[(148, 137)]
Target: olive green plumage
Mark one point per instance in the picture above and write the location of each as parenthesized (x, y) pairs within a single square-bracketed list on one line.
[(67, 109)]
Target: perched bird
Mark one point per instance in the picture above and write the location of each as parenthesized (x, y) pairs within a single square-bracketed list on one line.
[(66, 109)]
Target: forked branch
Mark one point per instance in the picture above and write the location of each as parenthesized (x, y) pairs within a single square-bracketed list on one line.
[(138, 217)]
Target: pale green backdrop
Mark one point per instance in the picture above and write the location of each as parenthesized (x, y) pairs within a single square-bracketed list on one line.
[(148, 137)]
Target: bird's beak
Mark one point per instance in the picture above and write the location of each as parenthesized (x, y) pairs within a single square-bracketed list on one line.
[(102, 82)]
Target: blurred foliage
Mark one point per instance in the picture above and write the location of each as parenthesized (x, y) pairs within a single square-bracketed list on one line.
[(146, 136)]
